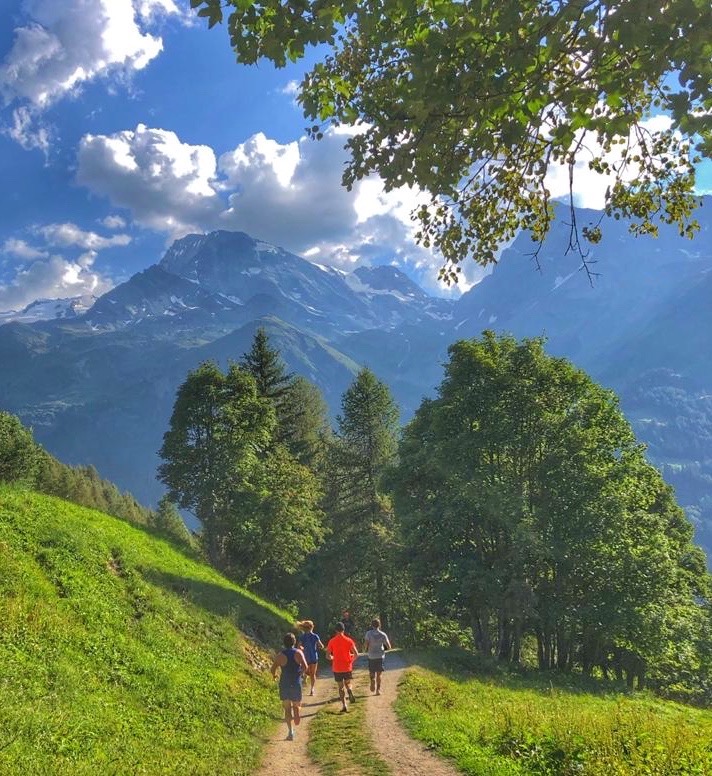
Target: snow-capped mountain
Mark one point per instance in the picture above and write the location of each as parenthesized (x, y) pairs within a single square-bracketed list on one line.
[(233, 279), (49, 309)]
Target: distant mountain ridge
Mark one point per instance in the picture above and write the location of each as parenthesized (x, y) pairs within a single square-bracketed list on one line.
[(98, 388)]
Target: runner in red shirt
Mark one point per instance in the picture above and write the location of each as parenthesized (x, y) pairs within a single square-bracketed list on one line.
[(342, 652)]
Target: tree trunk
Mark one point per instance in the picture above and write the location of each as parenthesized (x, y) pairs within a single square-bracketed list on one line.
[(480, 631), (540, 649), (381, 598), (504, 644)]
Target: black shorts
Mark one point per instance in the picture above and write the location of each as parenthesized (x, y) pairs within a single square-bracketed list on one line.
[(375, 665), (341, 676)]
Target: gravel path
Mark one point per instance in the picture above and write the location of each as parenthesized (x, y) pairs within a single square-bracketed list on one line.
[(285, 758), (401, 752)]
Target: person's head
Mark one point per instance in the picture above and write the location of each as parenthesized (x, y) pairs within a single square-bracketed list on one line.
[(345, 614), (289, 640), (375, 623), (306, 625), (339, 627)]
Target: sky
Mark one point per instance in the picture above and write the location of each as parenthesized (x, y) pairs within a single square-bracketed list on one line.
[(125, 124)]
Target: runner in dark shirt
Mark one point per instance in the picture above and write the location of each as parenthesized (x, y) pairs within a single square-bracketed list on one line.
[(292, 664), (311, 644)]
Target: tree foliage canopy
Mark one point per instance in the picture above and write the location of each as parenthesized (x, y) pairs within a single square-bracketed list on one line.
[(257, 504), (476, 102), (531, 509)]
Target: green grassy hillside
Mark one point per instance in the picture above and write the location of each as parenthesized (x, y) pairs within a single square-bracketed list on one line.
[(119, 655), (534, 725)]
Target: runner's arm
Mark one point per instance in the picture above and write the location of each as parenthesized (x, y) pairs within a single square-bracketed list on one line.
[(302, 660), (388, 644), (277, 662)]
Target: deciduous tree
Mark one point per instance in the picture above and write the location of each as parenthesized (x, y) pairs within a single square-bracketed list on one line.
[(478, 102)]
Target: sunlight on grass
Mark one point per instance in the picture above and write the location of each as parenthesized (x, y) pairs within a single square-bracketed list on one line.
[(505, 726), (118, 654)]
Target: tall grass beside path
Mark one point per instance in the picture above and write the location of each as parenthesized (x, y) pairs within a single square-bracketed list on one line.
[(509, 725)]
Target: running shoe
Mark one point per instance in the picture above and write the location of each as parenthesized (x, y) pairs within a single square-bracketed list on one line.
[(290, 735)]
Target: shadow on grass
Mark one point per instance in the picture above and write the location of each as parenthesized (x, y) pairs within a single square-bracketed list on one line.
[(459, 665), (250, 616)]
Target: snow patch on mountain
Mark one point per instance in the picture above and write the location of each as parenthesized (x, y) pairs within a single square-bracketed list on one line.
[(49, 309)]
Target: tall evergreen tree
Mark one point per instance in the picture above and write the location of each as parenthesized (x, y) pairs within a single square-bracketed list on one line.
[(265, 364), (362, 514), (305, 424), (19, 454)]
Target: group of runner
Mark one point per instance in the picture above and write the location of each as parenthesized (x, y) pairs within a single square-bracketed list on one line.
[(299, 662)]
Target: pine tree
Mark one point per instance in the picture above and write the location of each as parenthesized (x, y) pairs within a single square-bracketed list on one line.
[(19, 454), (367, 446), (265, 364), (168, 522)]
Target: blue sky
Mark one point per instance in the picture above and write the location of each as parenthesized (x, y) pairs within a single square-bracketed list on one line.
[(126, 123)]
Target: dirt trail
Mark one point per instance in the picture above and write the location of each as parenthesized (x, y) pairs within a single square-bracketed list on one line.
[(285, 758), (400, 751)]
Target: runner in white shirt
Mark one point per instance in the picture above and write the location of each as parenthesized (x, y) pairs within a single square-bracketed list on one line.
[(377, 644)]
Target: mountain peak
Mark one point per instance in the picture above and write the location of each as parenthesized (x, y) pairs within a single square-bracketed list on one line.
[(385, 279)]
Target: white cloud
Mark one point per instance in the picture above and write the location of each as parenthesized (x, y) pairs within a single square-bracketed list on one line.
[(289, 194), (70, 235), (45, 274), (291, 89), (20, 249), (64, 44), (168, 185), (52, 278), (114, 222), (28, 130)]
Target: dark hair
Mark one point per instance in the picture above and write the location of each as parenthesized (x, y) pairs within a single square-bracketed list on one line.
[(375, 623), (339, 627), (289, 640)]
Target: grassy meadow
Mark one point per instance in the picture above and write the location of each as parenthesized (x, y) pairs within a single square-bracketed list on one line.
[(507, 725), (119, 654)]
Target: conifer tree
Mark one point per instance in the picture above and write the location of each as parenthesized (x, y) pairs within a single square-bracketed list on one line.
[(367, 446), (168, 522), (265, 364), (18, 451)]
